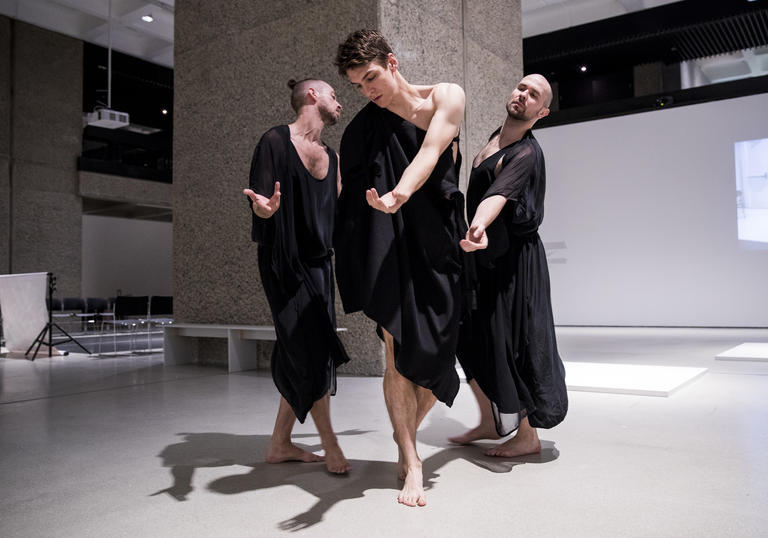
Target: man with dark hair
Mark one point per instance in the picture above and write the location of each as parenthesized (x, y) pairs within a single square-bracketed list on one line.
[(294, 184), (508, 350), (398, 258)]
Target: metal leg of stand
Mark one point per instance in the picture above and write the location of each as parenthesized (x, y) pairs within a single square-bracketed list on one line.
[(71, 339), (38, 341)]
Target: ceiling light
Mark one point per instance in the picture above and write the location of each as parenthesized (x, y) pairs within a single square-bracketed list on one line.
[(165, 111), (148, 18), (583, 68)]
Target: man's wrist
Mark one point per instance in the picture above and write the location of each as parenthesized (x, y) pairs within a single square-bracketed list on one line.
[(401, 193)]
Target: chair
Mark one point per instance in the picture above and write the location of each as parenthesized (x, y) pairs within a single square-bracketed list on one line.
[(96, 309), (65, 312), (75, 304), (96, 305), (160, 314), (129, 313), (161, 310), (75, 307)]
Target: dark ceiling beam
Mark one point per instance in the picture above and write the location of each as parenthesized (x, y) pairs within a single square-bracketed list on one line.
[(671, 33)]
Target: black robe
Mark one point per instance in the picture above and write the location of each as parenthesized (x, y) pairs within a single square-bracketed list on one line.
[(296, 270), (403, 269), (509, 345)]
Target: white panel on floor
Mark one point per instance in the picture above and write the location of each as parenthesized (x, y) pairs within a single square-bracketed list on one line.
[(644, 380), (749, 351)]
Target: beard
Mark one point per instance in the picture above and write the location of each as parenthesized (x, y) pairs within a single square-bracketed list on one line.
[(329, 117), (521, 114)]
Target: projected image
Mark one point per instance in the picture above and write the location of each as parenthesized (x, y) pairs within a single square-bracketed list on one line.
[(752, 189)]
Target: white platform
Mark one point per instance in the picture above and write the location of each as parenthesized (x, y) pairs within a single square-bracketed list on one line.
[(644, 380), (749, 351)]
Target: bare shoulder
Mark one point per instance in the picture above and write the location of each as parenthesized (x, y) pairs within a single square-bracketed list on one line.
[(448, 96)]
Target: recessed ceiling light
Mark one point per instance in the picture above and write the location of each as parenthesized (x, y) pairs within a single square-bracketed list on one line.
[(583, 68), (165, 111), (148, 18)]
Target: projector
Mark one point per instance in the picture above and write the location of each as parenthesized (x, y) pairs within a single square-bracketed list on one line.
[(109, 119)]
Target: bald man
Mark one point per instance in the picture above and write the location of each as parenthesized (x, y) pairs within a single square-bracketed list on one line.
[(508, 349)]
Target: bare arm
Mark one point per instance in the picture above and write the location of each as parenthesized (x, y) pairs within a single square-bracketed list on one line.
[(487, 211), (338, 175), (449, 112)]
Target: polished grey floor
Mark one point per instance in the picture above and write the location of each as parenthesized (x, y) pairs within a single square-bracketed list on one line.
[(123, 446)]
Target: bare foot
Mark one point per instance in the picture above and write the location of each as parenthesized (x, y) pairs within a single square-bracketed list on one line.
[(402, 469), (412, 493), (483, 431), (279, 453), (519, 445), (335, 461)]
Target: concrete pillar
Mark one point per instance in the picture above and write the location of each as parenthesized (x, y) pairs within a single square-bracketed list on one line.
[(5, 145), (46, 119), (230, 74)]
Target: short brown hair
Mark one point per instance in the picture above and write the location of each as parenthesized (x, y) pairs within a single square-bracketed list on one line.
[(360, 48)]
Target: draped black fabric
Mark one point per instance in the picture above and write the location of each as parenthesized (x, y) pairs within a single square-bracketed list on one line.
[(403, 269), (296, 271), (509, 344)]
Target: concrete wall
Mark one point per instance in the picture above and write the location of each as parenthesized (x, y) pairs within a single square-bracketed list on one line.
[(5, 144), (119, 189), (231, 69), (45, 115)]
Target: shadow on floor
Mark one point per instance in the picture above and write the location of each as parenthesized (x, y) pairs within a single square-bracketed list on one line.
[(200, 450)]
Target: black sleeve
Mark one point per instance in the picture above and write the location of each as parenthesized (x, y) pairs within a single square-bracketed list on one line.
[(265, 164), (517, 168), (351, 230)]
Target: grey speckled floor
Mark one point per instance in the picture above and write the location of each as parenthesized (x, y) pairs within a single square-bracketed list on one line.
[(125, 447)]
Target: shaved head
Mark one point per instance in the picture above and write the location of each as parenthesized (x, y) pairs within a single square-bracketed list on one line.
[(546, 89), (530, 99)]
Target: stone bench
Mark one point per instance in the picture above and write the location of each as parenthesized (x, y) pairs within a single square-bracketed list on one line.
[(242, 342)]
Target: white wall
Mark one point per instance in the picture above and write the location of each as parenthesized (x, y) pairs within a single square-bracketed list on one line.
[(646, 206), (132, 255)]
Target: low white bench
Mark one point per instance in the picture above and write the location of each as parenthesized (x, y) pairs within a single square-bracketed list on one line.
[(179, 344)]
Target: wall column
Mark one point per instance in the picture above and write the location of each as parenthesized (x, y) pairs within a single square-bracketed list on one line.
[(46, 118), (231, 69)]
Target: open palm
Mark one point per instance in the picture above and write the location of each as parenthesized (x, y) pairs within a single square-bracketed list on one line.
[(264, 207)]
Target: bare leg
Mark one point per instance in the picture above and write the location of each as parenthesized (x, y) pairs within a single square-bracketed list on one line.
[(402, 399), (280, 446), (334, 457), (425, 399), (525, 441), (486, 429)]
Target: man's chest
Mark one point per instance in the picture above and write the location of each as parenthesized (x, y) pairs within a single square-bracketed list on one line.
[(314, 158)]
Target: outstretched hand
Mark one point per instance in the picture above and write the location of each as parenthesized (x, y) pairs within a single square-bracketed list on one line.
[(264, 207), (389, 203), (476, 239)]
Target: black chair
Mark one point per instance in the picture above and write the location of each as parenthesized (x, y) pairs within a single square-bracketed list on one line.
[(161, 309), (96, 310), (129, 314), (96, 305), (73, 304), (160, 315), (75, 308), (57, 311)]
